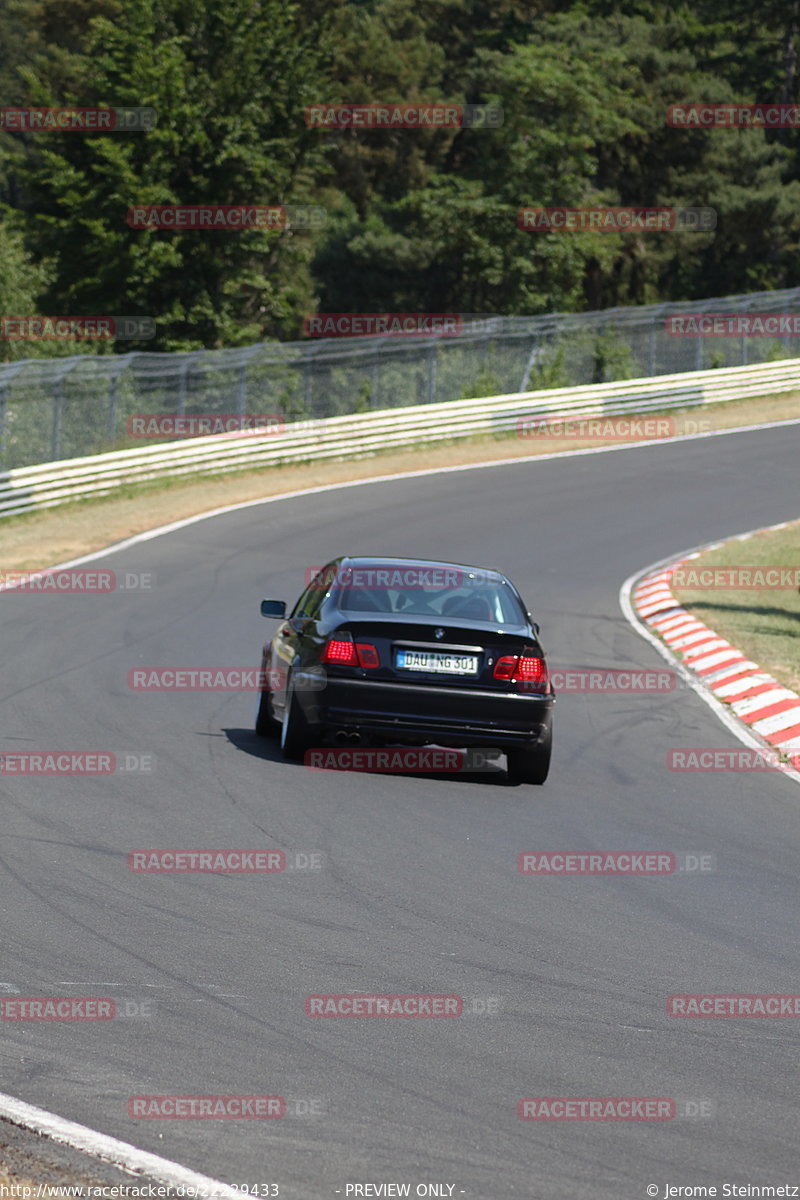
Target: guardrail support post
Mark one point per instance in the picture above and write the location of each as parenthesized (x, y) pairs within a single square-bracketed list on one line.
[(112, 408), (182, 389), (308, 384), (376, 361), (534, 354), (241, 390), (55, 447)]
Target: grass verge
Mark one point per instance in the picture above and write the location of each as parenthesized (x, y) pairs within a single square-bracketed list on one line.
[(763, 622)]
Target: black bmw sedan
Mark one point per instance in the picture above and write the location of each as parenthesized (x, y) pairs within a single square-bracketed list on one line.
[(408, 652)]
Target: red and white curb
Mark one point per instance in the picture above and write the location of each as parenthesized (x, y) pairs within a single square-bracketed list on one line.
[(755, 706)]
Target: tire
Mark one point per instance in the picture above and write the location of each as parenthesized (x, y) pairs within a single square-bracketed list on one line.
[(265, 725), (295, 730), (530, 764)]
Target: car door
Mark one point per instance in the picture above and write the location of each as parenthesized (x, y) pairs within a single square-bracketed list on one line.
[(286, 644)]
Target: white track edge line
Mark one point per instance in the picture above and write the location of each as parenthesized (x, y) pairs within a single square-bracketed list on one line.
[(159, 530), (110, 1149), (736, 727)]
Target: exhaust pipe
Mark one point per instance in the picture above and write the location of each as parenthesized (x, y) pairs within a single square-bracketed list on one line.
[(355, 738), (340, 737)]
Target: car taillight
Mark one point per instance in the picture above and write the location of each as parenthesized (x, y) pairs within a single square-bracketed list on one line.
[(522, 668), (367, 655), (341, 652), (345, 653), (531, 670)]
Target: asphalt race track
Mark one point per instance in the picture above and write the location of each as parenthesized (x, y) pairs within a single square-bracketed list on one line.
[(418, 889)]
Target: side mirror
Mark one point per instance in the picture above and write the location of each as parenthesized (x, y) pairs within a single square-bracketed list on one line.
[(535, 627), (273, 608)]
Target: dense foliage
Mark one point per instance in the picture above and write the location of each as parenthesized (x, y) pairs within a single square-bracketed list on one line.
[(417, 220)]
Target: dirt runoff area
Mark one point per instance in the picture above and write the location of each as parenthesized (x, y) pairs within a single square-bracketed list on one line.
[(37, 540), (33, 1167)]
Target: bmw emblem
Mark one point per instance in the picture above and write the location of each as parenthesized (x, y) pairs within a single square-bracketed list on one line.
[(438, 633)]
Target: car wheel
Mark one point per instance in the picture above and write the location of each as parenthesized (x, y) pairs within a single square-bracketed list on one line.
[(295, 731), (265, 725), (530, 764)]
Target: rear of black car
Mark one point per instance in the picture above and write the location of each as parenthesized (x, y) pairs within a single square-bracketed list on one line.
[(447, 655), (393, 678)]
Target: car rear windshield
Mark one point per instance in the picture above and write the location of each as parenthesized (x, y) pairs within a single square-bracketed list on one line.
[(441, 593)]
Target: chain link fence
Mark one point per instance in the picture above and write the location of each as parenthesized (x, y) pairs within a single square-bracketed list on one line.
[(53, 409)]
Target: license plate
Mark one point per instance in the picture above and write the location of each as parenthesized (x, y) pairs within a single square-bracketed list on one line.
[(439, 664)]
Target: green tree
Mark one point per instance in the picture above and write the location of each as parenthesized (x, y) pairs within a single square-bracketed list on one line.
[(21, 283), (228, 84)]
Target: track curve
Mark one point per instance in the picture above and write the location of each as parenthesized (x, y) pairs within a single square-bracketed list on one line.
[(419, 890)]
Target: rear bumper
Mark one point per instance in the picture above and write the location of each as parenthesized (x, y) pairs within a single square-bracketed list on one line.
[(411, 712)]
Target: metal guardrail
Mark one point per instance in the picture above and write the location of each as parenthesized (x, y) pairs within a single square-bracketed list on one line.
[(356, 436), (59, 408)]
